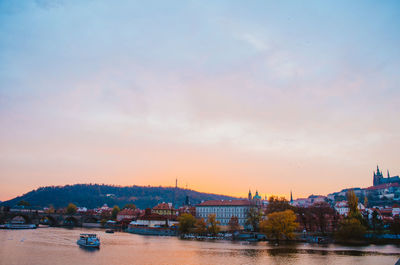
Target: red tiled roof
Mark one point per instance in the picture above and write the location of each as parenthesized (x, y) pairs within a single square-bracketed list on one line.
[(383, 186), (127, 212), (226, 203), (153, 216)]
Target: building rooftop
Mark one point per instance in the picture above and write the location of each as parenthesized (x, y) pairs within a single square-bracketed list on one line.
[(163, 206), (226, 203), (383, 186)]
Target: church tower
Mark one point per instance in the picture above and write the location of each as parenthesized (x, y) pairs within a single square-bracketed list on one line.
[(249, 196), (377, 177), (291, 197)]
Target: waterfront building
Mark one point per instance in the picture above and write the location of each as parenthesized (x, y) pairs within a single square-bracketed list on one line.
[(225, 209), (150, 219), (164, 209), (105, 210), (126, 214), (187, 209)]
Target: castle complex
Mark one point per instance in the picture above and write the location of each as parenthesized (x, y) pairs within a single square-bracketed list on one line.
[(379, 179)]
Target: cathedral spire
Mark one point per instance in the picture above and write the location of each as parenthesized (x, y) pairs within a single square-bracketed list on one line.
[(388, 175), (291, 196)]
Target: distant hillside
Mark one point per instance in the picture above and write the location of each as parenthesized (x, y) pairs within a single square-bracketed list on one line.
[(95, 195)]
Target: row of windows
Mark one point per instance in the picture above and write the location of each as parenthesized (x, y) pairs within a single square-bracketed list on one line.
[(205, 215), (221, 209), (225, 221)]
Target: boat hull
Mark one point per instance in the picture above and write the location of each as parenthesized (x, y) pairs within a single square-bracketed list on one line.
[(83, 244)]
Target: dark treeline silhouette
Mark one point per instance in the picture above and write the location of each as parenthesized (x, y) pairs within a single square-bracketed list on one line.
[(95, 195)]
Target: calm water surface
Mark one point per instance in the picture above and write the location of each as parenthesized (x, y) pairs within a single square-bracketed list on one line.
[(58, 246)]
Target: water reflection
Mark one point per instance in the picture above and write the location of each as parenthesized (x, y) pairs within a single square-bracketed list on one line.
[(58, 246)]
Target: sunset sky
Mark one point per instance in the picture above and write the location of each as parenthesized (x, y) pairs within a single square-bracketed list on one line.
[(223, 95)]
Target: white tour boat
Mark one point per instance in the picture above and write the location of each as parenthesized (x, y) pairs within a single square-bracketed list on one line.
[(89, 240)]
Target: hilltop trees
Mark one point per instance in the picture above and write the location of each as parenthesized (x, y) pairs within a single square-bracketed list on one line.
[(23, 203), (95, 195)]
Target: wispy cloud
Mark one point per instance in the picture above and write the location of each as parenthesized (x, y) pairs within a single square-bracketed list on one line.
[(139, 94)]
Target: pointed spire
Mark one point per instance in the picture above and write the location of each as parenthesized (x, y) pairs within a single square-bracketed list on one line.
[(291, 196), (388, 175)]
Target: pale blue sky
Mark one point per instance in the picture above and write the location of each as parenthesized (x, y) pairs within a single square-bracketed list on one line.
[(274, 95)]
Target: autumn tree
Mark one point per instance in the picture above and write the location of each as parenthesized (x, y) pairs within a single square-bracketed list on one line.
[(71, 209), (200, 226), (105, 215), (279, 225), (213, 224), (186, 222), (352, 202), (276, 204), (352, 226), (306, 217), (254, 216), (376, 221), (365, 201), (233, 224), (115, 211), (50, 209), (322, 212), (395, 225)]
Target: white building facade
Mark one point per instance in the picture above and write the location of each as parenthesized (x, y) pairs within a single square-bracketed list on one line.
[(224, 210)]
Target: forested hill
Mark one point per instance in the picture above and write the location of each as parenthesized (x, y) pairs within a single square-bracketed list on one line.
[(95, 195)]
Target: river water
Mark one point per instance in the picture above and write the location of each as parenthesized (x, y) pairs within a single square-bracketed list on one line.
[(58, 246)]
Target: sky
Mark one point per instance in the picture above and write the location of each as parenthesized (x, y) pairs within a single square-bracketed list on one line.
[(226, 96)]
